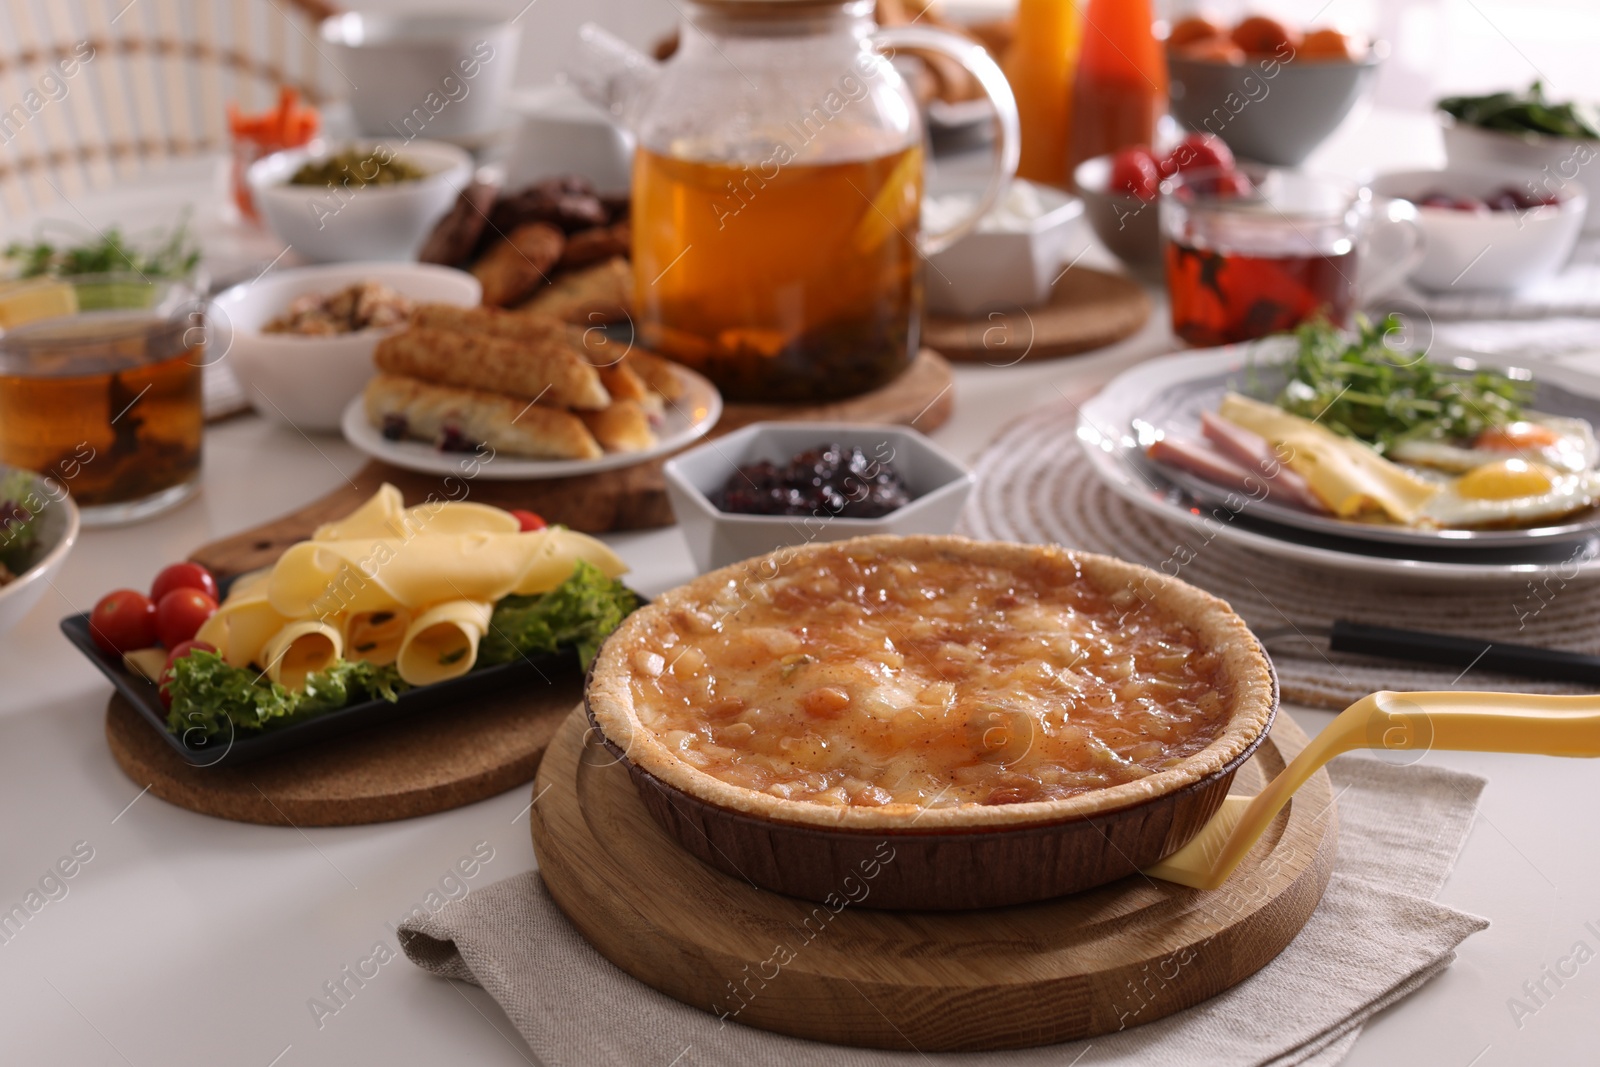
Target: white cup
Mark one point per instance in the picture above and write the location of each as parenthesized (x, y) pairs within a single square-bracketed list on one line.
[(416, 75)]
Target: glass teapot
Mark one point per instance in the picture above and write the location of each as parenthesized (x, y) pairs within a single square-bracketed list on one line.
[(777, 191)]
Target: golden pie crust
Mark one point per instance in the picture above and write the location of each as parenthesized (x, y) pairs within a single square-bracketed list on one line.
[(1243, 672)]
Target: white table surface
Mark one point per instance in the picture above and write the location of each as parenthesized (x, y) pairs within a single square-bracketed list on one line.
[(191, 940)]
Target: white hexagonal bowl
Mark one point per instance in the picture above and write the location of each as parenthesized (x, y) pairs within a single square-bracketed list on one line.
[(939, 485)]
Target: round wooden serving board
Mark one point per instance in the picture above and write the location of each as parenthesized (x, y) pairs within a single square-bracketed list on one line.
[(431, 761), (1088, 309), (1118, 956), (633, 498)]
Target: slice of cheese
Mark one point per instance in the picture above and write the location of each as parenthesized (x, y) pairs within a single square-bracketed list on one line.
[(1348, 476), (300, 649), (443, 642)]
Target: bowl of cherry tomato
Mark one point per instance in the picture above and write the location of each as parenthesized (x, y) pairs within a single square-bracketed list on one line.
[(150, 630), (1120, 191)]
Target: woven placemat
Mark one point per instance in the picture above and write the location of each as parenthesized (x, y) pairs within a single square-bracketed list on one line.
[(1035, 485)]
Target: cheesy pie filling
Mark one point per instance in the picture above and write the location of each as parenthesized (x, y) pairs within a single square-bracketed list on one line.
[(931, 682)]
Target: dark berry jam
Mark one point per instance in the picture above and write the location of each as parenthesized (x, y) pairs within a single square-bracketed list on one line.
[(826, 480)]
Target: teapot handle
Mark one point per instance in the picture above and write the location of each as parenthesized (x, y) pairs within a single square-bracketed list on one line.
[(976, 60)]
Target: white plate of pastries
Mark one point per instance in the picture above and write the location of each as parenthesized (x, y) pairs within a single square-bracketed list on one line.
[(506, 396)]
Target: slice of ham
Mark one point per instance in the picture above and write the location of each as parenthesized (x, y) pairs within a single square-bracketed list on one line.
[(1204, 462), (1254, 453)]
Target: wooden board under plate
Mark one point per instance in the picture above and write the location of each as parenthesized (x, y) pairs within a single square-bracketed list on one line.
[(1088, 309), (432, 761), (633, 498), (1092, 963)]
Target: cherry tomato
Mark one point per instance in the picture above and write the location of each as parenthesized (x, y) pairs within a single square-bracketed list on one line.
[(183, 576), (180, 650), (1199, 151), (123, 620), (180, 613), (1133, 171), (530, 520)]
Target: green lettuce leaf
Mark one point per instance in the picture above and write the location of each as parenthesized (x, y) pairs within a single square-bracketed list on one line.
[(213, 699), (579, 614)]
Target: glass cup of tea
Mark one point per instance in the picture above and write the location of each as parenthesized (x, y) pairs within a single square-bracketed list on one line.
[(100, 389), (1252, 254)]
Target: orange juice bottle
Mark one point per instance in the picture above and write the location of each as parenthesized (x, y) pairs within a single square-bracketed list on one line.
[(1120, 87), (1039, 67)]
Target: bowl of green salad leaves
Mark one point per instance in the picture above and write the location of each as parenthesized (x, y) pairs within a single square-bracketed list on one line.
[(38, 526), (1559, 139)]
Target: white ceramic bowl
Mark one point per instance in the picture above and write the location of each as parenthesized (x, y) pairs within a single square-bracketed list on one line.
[(556, 131), (307, 381), (57, 517), (1494, 250), (992, 269), (330, 225), (938, 482), (1468, 147), (420, 74)]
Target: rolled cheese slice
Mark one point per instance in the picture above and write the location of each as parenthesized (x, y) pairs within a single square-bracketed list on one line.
[(443, 642), (300, 649), (328, 578), (385, 515), (376, 636), (242, 626)]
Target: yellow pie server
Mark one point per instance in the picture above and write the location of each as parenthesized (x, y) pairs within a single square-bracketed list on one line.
[(1468, 722)]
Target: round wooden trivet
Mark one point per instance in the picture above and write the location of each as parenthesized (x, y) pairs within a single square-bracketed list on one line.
[(1088, 309), (432, 761), (633, 498), (1118, 956)]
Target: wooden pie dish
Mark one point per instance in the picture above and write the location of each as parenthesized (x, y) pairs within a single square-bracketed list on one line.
[(957, 856)]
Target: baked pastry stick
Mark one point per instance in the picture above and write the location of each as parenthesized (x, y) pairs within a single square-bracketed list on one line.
[(591, 297), (516, 266), (624, 384), (658, 373), (622, 427), (407, 407), (540, 366)]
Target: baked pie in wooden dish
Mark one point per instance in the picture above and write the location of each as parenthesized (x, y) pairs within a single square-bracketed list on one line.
[(1007, 722)]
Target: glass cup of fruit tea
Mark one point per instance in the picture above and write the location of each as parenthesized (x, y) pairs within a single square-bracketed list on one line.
[(100, 390), (1250, 254), (777, 191)]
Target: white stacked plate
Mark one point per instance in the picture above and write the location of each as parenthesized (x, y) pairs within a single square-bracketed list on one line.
[(1168, 395)]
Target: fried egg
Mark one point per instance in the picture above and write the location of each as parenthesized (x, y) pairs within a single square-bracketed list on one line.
[(1510, 492), (1552, 441)]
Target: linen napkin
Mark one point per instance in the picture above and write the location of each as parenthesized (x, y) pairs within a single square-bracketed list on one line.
[(1375, 938)]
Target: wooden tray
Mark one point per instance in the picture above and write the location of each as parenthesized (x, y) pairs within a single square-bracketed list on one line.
[(633, 498), (1088, 309), (1127, 953), (432, 761)]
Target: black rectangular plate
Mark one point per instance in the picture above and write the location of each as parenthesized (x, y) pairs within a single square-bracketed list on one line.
[(146, 700)]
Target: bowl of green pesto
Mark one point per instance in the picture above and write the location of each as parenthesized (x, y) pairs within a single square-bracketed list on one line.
[(360, 200)]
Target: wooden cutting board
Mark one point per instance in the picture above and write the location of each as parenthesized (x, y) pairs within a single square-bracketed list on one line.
[(432, 761), (1088, 309), (633, 498), (1096, 962)]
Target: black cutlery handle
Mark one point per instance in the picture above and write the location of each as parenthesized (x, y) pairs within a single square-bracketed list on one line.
[(1544, 664)]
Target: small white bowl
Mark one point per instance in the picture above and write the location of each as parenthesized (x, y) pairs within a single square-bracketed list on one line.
[(330, 225), (939, 486), (57, 517), (308, 381), (991, 268), (1493, 250), (1469, 147)]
